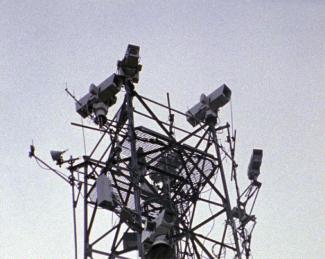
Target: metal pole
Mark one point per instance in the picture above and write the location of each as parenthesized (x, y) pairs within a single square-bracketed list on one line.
[(129, 87), (227, 204), (86, 238), (74, 217)]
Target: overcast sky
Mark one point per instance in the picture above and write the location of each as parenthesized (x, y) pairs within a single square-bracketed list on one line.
[(270, 53)]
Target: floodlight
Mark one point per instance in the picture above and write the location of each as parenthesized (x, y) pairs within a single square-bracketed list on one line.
[(57, 156), (254, 165), (208, 105)]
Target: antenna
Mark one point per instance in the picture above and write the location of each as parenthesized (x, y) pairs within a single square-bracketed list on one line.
[(171, 116), (171, 194)]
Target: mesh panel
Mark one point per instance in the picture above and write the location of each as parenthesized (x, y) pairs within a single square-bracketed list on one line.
[(186, 168)]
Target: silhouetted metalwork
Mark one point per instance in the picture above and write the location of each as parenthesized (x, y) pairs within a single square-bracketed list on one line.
[(169, 188)]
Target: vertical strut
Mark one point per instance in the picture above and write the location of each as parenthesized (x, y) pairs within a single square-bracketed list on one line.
[(86, 237), (226, 201), (74, 215), (129, 87)]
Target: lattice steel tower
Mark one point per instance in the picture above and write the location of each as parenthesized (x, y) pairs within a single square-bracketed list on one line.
[(166, 189)]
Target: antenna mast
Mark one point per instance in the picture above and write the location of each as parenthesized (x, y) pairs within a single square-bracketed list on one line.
[(171, 197)]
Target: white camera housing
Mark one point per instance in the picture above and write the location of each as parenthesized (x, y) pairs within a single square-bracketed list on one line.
[(105, 93), (208, 105)]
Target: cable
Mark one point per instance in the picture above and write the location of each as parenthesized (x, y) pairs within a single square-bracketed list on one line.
[(42, 167), (213, 223), (232, 119), (83, 136), (48, 169)]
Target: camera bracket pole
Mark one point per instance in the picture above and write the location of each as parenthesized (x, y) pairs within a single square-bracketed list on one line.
[(87, 249), (129, 87), (211, 121)]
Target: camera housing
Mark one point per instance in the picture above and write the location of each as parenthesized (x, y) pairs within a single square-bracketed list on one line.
[(129, 66), (161, 248), (99, 99), (156, 232), (208, 105), (255, 162)]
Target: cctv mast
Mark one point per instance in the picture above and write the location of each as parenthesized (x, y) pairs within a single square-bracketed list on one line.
[(169, 190)]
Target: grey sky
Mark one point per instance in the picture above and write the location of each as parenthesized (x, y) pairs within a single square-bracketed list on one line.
[(270, 53)]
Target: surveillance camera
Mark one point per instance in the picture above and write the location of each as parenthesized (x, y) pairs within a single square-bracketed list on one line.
[(99, 99), (109, 88), (161, 226), (129, 66), (254, 164), (219, 97), (100, 111), (161, 248), (208, 105)]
